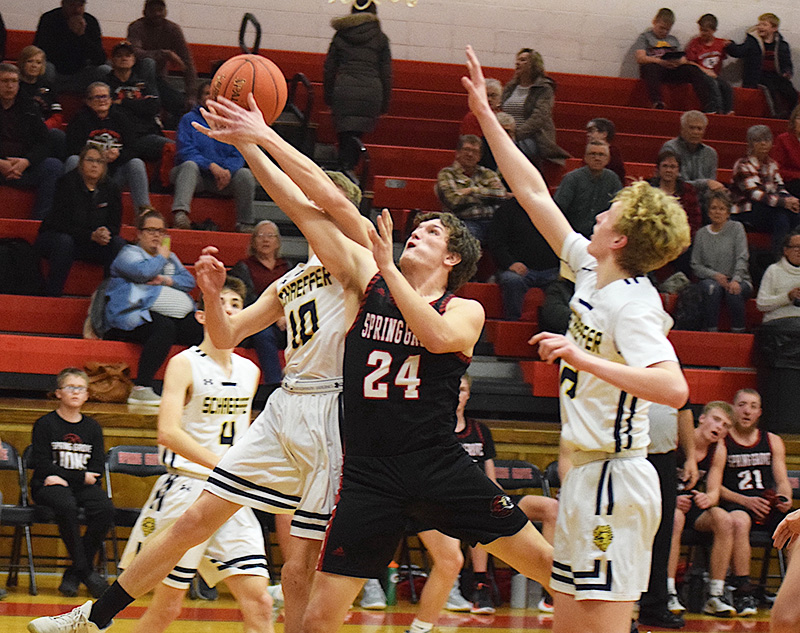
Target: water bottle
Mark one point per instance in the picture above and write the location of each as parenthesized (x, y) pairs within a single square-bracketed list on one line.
[(519, 591), (392, 576)]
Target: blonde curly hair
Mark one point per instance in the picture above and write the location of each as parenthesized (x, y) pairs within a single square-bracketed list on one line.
[(655, 225)]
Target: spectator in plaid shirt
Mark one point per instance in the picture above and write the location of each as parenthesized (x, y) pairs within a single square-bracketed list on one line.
[(759, 196), (468, 190)]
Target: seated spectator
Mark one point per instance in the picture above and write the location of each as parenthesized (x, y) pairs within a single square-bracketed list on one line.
[(84, 222), (73, 43), (759, 197), (707, 53), (469, 190), (600, 129), (24, 145), (529, 97), (588, 190), (698, 160), (139, 99), (668, 179), (786, 153), (34, 86), (507, 122), (263, 266), (720, 260), (494, 93), (698, 508), (555, 313), (68, 459), (767, 61), (160, 40), (779, 293), (204, 164), (524, 260), (106, 125), (661, 61), (149, 302), (755, 489)]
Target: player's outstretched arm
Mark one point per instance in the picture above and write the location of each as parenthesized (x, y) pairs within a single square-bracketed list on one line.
[(457, 330), (661, 382), (230, 123), (227, 332), (177, 384), (525, 180)]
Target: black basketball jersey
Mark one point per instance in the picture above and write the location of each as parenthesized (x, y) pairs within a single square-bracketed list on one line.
[(398, 396), (476, 439), (703, 466), (748, 470)]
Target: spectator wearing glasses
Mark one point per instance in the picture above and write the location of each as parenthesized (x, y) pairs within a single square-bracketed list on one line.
[(149, 302), (68, 460), (84, 222)]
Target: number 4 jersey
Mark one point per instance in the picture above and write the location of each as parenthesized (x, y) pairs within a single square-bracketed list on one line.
[(218, 413), (398, 396)]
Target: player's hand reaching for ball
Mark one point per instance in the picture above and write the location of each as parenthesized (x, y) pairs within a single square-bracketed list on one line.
[(382, 246), (230, 123), (210, 272)]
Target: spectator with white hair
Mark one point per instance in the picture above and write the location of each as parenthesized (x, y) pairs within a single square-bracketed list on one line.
[(699, 161)]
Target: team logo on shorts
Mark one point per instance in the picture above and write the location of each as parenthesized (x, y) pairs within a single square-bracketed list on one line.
[(502, 506), (148, 526), (602, 537)]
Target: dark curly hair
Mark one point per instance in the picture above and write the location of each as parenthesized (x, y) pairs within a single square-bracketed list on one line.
[(459, 241)]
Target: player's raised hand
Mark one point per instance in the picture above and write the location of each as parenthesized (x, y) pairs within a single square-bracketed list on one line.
[(475, 84), (210, 272), (230, 123), (382, 245), (788, 530)]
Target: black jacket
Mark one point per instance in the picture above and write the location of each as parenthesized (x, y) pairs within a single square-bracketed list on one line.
[(22, 132), (752, 50), (78, 211), (69, 52), (115, 128), (358, 72), (513, 238), (139, 99)]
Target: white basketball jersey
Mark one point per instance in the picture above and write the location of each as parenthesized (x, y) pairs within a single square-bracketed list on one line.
[(623, 322), (313, 303), (218, 412)]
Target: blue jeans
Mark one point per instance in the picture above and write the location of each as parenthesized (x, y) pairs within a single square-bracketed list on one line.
[(133, 174), (60, 250), (43, 179), (513, 287), (479, 228), (712, 301), (266, 345)]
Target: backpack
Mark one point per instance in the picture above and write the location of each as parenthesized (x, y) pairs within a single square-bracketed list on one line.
[(20, 268), (688, 312)]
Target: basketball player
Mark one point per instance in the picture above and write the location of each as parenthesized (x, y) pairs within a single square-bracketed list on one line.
[(614, 360), (409, 344), (755, 489), (217, 387), (290, 457)]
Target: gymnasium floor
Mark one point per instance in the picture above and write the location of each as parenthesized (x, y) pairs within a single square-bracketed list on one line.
[(222, 616)]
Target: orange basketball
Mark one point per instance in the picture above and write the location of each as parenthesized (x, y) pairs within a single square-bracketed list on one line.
[(243, 74)]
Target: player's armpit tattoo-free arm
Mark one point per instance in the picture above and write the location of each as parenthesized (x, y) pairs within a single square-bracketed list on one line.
[(686, 441), (714, 480), (177, 381)]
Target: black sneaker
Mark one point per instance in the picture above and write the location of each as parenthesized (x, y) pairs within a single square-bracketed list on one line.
[(96, 584), (70, 584), (199, 590), (482, 600), (663, 618), (745, 604)]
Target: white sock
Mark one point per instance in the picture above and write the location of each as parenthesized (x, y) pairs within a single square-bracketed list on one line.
[(715, 587), (671, 586), (418, 626)]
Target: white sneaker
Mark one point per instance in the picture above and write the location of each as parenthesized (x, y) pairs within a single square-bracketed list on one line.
[(544, 606), (76, 621), (716, 605), (276, 593), (144, 395), (674, 604), (457, 602), (373, 596)]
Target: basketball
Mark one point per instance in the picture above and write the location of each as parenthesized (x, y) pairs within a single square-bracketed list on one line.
[(243, 74)]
